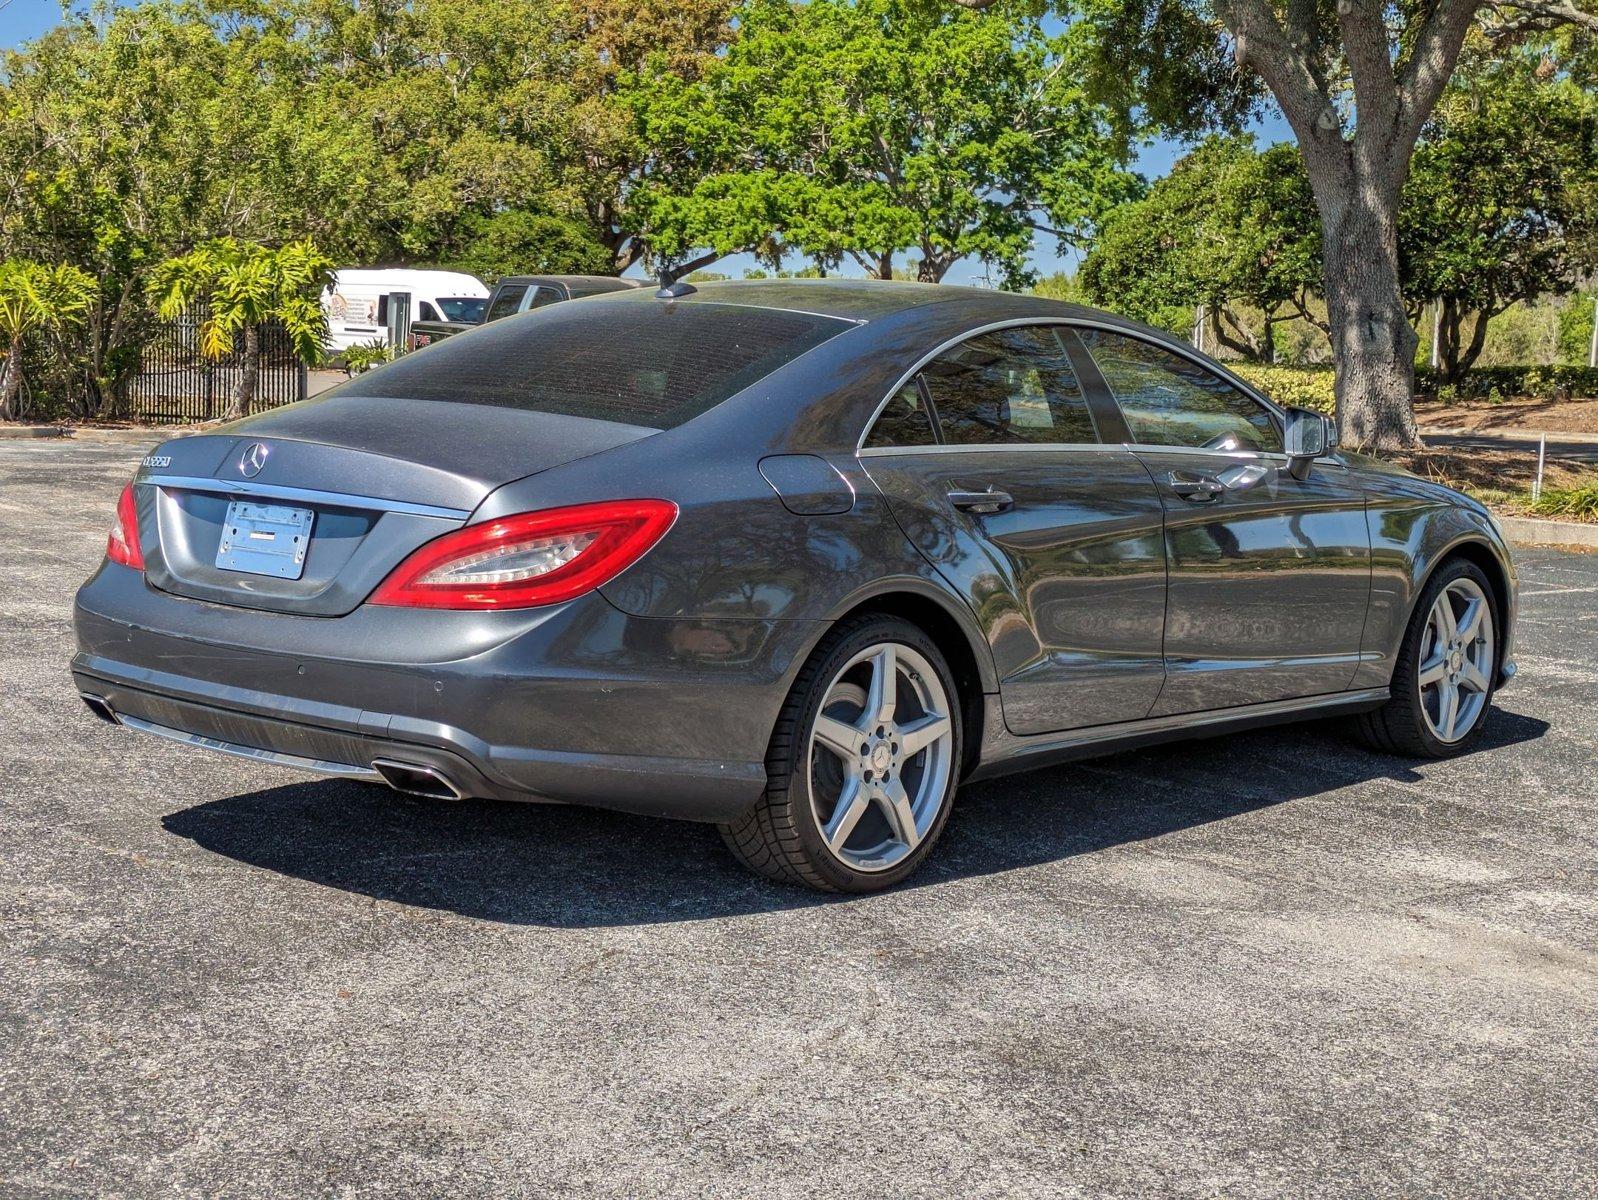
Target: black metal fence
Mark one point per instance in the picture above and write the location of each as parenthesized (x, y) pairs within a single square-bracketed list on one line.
[(176, 383)]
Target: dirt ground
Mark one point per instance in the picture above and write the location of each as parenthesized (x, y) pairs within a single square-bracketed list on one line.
[(1484, 469), (1562, 416)]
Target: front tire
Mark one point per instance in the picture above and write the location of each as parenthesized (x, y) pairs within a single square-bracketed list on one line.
[(862, 766), (1447, 669)]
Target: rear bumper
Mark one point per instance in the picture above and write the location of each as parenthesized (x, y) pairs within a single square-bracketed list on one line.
[(577, 704)]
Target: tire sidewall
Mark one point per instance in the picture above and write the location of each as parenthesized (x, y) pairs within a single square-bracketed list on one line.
[(873, 631), (1415, 637)]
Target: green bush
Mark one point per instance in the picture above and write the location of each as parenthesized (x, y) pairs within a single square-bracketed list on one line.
[(1576, 503), (1312, 387), (1495, 383), (1300, 387), (361, 358)]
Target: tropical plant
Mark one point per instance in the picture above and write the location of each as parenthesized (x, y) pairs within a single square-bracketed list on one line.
[(34, 299), (237, 286), (363, 356)]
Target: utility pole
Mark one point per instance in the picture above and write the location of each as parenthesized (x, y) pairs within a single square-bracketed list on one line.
[(1198, 329)]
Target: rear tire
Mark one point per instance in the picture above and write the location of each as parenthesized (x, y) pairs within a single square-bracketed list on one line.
[(1447, 669), (860, 774)]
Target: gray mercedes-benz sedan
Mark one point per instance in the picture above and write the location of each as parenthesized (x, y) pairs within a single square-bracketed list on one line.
[(791, 557)]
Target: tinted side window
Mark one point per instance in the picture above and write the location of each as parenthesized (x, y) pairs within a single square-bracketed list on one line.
[(545, 296), (1009, 386), (904, 421), (428, 312), (1169, 400), (506, 301)]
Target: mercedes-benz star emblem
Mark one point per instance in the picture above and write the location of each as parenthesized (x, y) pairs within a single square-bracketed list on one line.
[(254, 459)]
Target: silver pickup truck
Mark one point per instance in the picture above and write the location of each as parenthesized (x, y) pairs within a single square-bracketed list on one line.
[(519, 293)]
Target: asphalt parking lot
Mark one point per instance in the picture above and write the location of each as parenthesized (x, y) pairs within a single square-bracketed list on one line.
[(1269, 965)]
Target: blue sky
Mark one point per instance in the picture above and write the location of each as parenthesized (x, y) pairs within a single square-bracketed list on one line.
[(24, 19)]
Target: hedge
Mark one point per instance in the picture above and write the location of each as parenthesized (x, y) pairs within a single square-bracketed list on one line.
[(1312, 387), (1302, 387), (1502, 383)]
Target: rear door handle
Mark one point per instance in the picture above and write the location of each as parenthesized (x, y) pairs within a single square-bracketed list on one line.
[(1197, 487), (990, 501)]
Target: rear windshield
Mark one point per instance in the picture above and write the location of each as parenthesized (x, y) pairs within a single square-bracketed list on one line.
[(463, 308), (637, 363)]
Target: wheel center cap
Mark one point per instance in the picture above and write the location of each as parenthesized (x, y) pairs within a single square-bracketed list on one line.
[(881, 757)]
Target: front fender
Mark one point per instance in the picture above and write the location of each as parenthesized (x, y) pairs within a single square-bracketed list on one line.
[(1415, 526)]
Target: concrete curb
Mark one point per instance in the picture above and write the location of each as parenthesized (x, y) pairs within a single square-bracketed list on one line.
[(1509, 435), (19, 432), (1526, 531)]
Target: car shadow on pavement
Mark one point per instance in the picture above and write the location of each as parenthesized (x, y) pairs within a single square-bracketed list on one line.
[(573, 867)]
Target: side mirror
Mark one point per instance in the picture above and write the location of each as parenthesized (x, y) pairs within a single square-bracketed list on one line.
[(1306, 436)]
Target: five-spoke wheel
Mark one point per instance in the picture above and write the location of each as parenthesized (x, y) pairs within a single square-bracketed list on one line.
[(881, 755), (1446, 669), (863, 765), (1457, 660)]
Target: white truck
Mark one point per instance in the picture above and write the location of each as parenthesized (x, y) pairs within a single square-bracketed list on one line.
[(357, 301)]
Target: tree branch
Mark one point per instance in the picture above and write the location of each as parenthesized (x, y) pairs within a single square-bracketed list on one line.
[(1522, 15), (1431, 62)]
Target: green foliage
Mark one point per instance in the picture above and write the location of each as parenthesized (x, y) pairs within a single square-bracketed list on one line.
[(1501, 204), (240, 285), (36, 300), (1060, 286), (523, 242), (1575, 328), (1574, 504), (1228, 225), (363, 356), (1300, 387), (867, 128), (1487, 383)]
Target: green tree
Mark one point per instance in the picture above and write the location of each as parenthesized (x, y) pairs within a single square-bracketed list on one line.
[(238, 286), (1229, 226), (1501, 205), (1357, 81), (868, 128), (34, 299), (524, 242)]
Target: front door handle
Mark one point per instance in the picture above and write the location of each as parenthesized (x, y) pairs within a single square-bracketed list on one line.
[(1196, 486), (990, 501)]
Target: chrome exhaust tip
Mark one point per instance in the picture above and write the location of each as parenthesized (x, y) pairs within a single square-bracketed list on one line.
[(416, 779), (98, 706)]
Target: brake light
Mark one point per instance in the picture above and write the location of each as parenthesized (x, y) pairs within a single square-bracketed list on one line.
[(123, 544), (530, 559)]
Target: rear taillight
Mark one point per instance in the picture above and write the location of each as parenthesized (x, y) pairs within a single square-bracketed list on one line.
[(123, 544), (529, 559)]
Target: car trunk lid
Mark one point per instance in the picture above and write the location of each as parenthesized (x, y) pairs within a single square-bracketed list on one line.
[(306, 509)]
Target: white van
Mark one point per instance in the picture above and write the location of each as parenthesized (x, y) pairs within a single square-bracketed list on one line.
[(357, 302)]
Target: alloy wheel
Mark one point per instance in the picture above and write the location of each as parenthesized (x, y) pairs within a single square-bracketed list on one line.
[(1456, 660), (880, 758)]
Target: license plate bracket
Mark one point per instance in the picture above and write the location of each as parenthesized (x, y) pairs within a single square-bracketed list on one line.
[(265, 539)]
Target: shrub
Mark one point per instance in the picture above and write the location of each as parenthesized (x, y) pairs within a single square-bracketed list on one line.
[(1494, 383), (1578, 503), (361, 358), (1300, 387)]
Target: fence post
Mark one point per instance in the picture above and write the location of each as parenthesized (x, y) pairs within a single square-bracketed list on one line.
[(302, 381)]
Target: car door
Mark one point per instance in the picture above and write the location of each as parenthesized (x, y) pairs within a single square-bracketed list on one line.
[(991, 459), (1269, 575)]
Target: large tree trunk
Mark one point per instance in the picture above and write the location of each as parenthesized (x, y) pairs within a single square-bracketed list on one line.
[(244, 390), (1372, 341)]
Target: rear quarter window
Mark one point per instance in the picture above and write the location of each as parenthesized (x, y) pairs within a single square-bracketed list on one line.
[(638, 363)]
